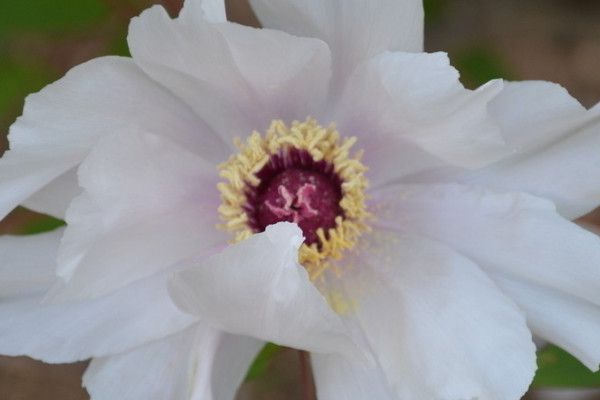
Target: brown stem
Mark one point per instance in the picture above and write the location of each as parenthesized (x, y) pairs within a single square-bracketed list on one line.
[(306, 377)]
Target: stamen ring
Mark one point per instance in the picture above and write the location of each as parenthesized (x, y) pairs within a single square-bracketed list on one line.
[(305, 146)]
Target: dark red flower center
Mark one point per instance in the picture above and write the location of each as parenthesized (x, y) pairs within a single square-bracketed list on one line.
[(295, 188)]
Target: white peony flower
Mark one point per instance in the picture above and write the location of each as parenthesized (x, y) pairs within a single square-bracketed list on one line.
[(436, 220)]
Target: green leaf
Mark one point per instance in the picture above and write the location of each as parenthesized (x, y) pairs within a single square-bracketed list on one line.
[(49, 15), (42, 223), (557, 368), (261, 362)]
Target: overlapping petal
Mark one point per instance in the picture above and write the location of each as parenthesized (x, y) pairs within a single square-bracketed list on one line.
[(355, 30), (54, 198), (257, 288), (67, 332), (200, 11), (61, 123), (556, 141), (558, 317), (236, 78), (148, 203), (338, 378), (513, 233), (27, 263), (418, 99), (429, 316), (199, 363)]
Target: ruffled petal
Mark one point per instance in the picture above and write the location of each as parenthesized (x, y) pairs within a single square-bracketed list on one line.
[(27, 263), (417, 98), (355, 30), (257, 288), (62, 122), (74, 331), (433, 321), (534, 113), (236, 78), (197, 364), (149, 203), (556, 143), (558, 317), (199, 11), (515, 234)]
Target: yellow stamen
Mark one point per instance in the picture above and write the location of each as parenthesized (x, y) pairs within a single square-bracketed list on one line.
[(322, 144)]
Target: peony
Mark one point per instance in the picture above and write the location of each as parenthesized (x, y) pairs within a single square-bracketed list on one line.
[(321, 184)]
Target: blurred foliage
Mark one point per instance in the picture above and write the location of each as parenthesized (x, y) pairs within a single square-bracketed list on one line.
[(50, 16), (262, 360), (434, 10), (18, 80), (479, 64), (44, 223), (557, 368)]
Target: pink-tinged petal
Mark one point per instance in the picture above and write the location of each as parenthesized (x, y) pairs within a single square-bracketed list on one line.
[(416, 101), (148, 203), (257, 288), (433, 321), (236, 78), (511, 233)]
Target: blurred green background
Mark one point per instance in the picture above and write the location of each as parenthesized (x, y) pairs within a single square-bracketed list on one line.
[(557, 40)]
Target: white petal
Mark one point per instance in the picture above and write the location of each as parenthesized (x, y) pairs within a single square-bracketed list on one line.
[(198, 11), (391, 158), (534, 113), (197, 364), (355, 30), (54, 199), (148, 204), (222, 369), (434, 322), (25, 171), (512, 233), (257, 288), (557, 142), (67, 332), (558, 317), (236, 78), (27, 263), (61, 123), (418, 98), (337, 378)]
